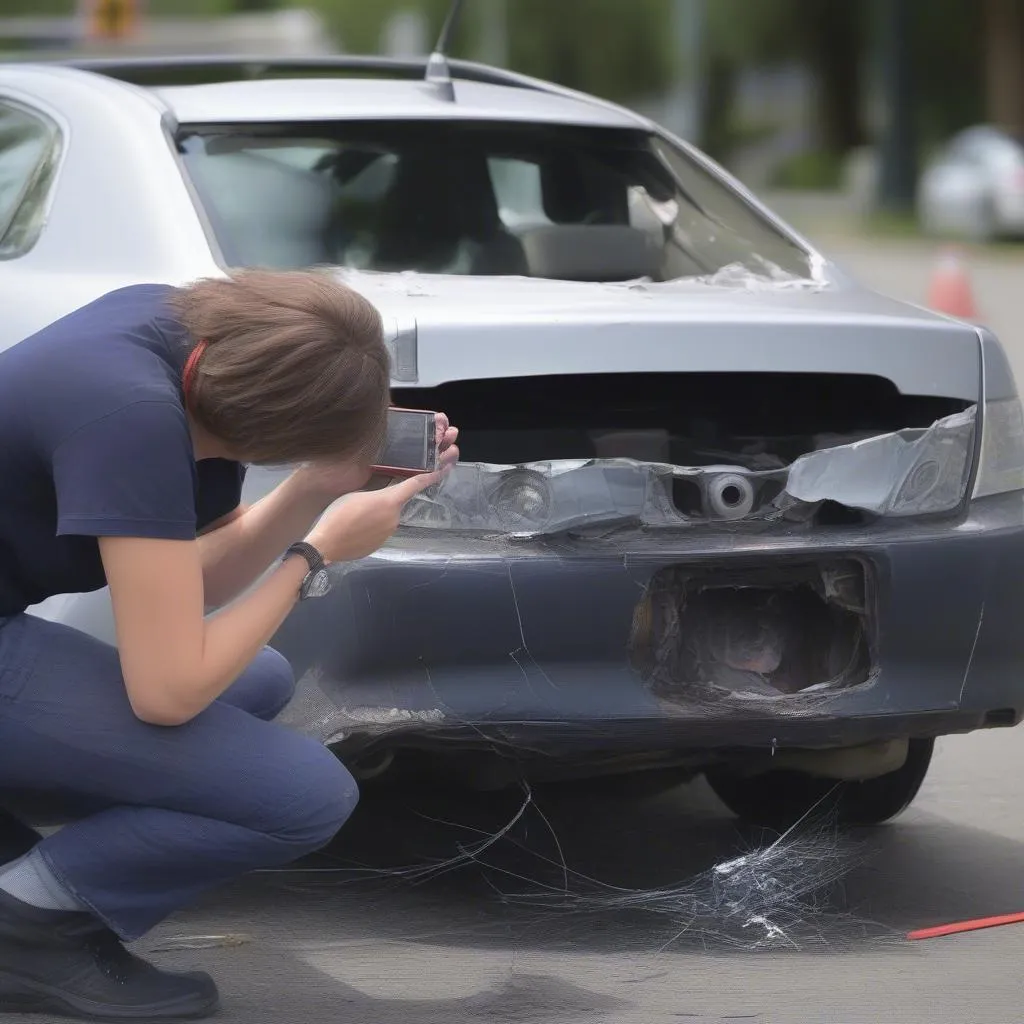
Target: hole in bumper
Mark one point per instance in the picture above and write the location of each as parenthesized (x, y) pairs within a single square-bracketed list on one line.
[(775, 631)]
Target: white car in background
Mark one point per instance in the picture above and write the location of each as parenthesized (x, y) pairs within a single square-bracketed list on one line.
[(974, 186)]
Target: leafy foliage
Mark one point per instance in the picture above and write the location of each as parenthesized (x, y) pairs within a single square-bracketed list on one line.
[(626, 51), (606, 47)]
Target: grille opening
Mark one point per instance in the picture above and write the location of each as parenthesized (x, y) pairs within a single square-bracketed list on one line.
[(755, 420)]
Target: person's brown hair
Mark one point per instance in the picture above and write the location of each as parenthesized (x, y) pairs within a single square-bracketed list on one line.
[(294, 368)]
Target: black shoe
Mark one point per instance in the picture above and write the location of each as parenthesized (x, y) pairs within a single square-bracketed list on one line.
[(67, 963)]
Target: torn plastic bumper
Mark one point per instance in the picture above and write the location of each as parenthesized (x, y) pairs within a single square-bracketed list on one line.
[(549, 641), (788, 637), (911, 472)]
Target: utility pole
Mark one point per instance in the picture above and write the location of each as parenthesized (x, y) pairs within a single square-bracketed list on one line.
[(493, 32), (897, 180), (686, 101), (1004, 63)]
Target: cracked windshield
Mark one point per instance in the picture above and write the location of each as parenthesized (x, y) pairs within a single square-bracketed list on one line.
[(511, 510)]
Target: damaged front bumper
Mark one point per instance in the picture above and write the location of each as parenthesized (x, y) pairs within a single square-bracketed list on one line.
[(611, 621), (543, 645), (557, 643)]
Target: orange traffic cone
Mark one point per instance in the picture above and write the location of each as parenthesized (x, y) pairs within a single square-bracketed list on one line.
[(950, 291)]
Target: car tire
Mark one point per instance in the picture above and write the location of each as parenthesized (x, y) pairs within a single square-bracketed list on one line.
[(779, 799)]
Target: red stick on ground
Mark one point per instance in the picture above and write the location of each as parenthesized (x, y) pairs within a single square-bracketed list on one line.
[(966, 926)]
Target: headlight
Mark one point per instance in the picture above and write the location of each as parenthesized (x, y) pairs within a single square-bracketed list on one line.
[(1002, 449), (937, 479), (522, 502), (910, 472)]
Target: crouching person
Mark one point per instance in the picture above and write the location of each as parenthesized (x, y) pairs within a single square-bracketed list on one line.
[(124, 431)]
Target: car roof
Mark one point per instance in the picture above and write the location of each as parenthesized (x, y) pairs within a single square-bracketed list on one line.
[(325, 99), (200, 89)]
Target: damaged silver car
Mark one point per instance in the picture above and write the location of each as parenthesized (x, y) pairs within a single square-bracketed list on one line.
[(722, 510)]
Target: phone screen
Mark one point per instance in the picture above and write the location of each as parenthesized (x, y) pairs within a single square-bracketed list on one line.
[(411, 444)]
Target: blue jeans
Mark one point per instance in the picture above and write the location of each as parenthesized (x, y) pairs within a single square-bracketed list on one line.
[(163, 814)]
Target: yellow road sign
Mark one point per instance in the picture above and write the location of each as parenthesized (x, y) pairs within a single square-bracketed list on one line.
[(112, 19)]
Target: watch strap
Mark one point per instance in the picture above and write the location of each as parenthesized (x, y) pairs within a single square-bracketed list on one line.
[(316, 582), (313, 558)]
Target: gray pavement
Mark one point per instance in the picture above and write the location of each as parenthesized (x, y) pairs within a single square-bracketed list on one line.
[(317, 944), (322, 946)]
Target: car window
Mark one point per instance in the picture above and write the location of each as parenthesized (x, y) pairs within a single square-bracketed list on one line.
[(28, 157), (462, 197)]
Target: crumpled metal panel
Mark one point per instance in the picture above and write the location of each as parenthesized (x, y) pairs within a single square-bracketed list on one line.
[(549, 497), (903, 473), (912, 471)]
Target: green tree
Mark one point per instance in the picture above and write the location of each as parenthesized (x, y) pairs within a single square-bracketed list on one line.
[(827, 36), (617, 50)]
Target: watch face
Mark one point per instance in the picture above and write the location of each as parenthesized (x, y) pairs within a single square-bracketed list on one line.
[(319, 585)]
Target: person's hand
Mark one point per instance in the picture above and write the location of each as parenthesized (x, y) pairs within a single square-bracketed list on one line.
[(363, 522), (447, 435)]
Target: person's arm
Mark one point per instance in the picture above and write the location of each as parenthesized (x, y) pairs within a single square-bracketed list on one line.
[(239, 548), (126, 478), (175, 661)]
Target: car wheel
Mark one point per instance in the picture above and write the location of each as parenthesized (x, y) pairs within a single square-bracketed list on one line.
[(779, 799)]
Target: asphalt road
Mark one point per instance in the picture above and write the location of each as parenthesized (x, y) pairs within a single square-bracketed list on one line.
[(321, 944), (351, 936)]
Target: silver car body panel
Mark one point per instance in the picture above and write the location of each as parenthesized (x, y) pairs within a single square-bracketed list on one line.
[(510, 327), (120, 211), (362, 99)]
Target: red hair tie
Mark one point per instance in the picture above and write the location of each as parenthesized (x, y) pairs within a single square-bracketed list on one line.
[(189, 373)]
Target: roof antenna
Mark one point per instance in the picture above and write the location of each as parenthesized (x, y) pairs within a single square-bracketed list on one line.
[(438, 73)]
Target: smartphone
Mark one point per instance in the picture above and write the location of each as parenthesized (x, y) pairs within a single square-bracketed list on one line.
[(411, 444)]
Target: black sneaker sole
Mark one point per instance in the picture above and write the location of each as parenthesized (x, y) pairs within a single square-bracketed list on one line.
[(23, 995)]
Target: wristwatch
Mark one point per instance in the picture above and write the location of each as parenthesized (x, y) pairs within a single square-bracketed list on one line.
[(317, 582)]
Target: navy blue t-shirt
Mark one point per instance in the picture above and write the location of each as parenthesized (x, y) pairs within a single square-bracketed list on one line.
[(94, 442)]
